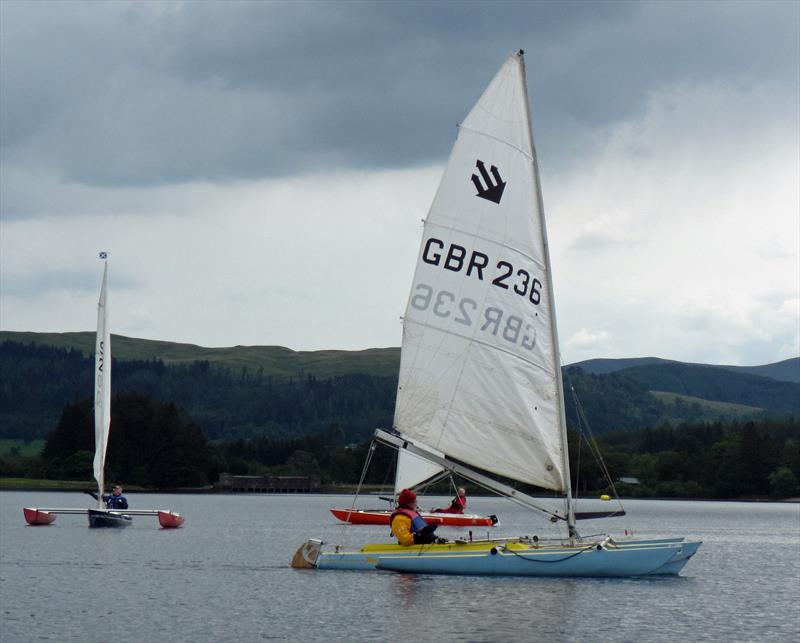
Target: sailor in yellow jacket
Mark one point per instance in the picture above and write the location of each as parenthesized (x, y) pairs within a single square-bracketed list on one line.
[(408, 526)]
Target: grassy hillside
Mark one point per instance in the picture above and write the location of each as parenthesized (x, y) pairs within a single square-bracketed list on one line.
[(245, 392), (710, 407), (272, 361), (787, 370), (20, 448), (719, 384)]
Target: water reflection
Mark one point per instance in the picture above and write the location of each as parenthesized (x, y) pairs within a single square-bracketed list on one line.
[(485, 608), (225, 576)]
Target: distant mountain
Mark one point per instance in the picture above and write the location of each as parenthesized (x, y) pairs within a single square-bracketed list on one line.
[(604, 366), (786, 371), (718, 384)]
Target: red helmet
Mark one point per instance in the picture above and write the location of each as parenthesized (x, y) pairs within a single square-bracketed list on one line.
[(406, 498)]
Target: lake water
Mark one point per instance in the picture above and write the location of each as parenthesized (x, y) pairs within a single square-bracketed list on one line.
[(225, 577)]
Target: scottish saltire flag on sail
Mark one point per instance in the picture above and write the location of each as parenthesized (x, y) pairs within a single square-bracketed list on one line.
[(479, 372), (102, 381)]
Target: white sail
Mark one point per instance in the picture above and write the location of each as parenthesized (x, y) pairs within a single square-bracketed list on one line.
[(479, 372), (102, 383), (412, 470)]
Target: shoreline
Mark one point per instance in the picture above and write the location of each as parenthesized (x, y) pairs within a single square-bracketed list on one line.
[(71, 486)]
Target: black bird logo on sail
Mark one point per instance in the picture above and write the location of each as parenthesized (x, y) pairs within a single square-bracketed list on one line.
[(492, 186)]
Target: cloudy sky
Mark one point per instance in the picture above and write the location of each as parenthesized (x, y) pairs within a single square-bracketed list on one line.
[(258, 170)]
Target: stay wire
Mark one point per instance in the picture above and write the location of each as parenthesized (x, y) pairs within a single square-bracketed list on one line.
[(585, 428)]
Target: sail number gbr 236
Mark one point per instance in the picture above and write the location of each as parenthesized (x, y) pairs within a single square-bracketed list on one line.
[(476, 265)]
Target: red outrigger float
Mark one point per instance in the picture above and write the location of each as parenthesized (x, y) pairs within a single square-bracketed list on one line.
[(38, 516), (381, 517), (169, 519)]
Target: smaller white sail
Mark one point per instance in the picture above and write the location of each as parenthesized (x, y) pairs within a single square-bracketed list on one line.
[(102, 383), (412, 470)]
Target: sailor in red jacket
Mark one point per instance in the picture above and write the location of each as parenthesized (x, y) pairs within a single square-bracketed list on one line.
[(407, 525), (458, 505)]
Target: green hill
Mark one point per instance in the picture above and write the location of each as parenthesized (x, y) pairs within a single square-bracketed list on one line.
[(787, 370), (708, 407), (718, 384), (270, 361), (245, 392)]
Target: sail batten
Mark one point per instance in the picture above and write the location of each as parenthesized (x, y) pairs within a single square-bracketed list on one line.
[(524, 152), (479, 376)]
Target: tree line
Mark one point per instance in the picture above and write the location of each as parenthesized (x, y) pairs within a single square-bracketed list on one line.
[(154, 444), (37, 381)]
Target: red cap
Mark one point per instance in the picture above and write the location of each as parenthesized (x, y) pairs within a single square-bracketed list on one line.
[(406, 498)]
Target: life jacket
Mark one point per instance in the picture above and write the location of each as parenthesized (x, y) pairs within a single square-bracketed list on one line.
[(116, 502), (457, 506), (417, 521)]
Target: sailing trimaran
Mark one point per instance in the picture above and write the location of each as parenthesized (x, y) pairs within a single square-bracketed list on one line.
[(480, 375), (102, 516)]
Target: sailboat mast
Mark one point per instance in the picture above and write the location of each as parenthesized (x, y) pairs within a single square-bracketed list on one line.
[(102, 384), (562, 418)]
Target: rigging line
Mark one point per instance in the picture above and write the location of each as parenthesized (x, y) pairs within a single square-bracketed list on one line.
[(560, 560), (593, 445), (363, 474), (576, 490), (592, 442), (521, 503), (345, 524), (549, 512)]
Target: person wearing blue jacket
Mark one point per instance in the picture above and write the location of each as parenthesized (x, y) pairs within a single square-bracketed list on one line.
[(114, 501)]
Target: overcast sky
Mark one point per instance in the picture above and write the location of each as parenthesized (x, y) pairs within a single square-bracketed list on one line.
[(258, 170)]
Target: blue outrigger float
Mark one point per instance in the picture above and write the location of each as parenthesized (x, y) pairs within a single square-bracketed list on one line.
[(480, 371)]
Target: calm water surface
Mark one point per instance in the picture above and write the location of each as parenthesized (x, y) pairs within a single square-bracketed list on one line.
[(225, 577)]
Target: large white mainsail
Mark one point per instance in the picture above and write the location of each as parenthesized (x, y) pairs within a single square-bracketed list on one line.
[(102, 383), (480, 376)]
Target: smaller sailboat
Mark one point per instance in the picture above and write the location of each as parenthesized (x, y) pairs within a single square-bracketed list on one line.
[(411, 472), (103, 515)]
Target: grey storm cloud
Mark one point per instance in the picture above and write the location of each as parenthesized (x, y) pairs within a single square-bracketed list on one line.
[(137, 94)]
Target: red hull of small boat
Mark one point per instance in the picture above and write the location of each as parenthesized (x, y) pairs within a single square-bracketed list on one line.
[(36, 517), (381, 517), (170, 520)]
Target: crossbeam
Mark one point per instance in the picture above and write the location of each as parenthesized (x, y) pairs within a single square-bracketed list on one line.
[(128, 512), (399, 442)]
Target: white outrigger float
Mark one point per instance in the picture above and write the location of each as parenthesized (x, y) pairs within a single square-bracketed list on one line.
[(480, 372)]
